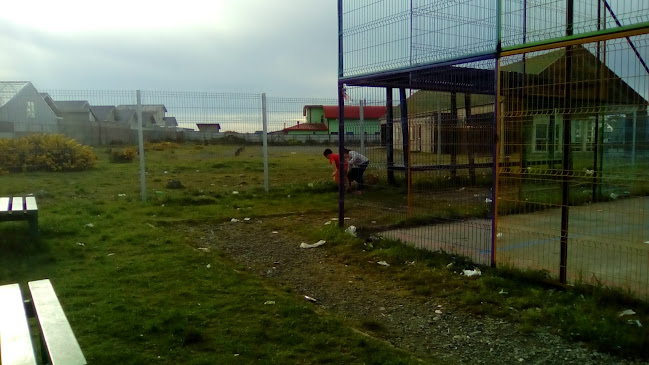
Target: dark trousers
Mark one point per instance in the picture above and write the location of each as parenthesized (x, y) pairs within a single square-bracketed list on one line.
[(356, 174)]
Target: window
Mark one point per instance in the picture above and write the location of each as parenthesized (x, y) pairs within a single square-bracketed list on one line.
[(541, 137), (31, 110)]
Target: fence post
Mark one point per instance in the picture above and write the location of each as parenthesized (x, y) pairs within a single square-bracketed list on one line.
[(264, 120), (140, 138), (362, 126)]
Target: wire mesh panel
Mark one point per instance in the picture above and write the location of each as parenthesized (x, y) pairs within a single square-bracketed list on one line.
[(529, 21), (574, 162), (387, 35)]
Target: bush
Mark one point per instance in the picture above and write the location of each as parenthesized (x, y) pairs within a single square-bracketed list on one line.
[(160, 146), (126, 154), (45, 152)]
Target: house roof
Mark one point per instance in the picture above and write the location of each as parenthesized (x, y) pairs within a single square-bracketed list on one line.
[(307, 127), (124, 115), (170, 121), (50, 102), (9, 89), (72, 106), (145, 107), (102, 111), (354, 112), (208, 125)]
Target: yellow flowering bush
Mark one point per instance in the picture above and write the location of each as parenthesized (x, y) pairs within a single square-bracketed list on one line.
[(160, 146), (45, 152), (126, 154)]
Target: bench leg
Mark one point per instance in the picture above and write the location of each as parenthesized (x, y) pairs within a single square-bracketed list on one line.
[(33, 225)]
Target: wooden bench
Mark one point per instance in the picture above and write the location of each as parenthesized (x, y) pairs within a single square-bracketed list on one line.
[(58, 343), (20, 209)]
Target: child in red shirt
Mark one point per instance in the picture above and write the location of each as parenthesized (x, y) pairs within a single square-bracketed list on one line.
[(334, 159)]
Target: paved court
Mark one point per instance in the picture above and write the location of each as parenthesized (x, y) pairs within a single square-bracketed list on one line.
[(608, 242)]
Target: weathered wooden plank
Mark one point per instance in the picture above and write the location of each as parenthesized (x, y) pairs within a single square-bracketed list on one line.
[(16, 343), (4, 204), (62, 345), (30, 204), (17, 204)]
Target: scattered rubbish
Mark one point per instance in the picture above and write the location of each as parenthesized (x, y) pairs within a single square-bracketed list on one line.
[(235, 192), (589, 172), (383, 263), (274, 232), (110, 254), (475, 272), (165, 172), (121, 194), (460, 189), (150, 225), (327, 222), (647, 242), (90, 225), (487, 200), (310, 185), (310, 299), (334, 219), (347, 218), (81, 244), (288, 196), (204, 249), (269, 302), (234, 220), (373, 222), (614, 196), (627, 312), (450, 265), (313, 245), (410, 262), (246, 219), (634, 321), (351, 230), (208, 266), (437, 311), (369, 245), (499, 235), (502, 291)]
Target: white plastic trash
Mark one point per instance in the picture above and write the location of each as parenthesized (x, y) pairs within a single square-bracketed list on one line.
[(469, 273), (313, 245)]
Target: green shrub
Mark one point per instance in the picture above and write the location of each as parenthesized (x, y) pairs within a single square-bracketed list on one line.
[(45, 152), (126, 154)]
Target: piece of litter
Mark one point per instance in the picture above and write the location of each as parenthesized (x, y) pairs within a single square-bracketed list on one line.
[(235, 192), (334, 219), (373, 222), (487, 200), (310, 185), (81, 244), (208, 266), (246, 219), (449, 265), (437, 311), (347, 218), (288, 196), (313, 245), (383, 263), (628, 312), (327, 222), (204, 249), (110, 254), (470, 273), (121, 194), (274, 232), (614, 196), (351, 230), (268, 302), (90, 225), (310, 299), (460, 189), (234, 220), (638, 323), (502, 291), (647, 242), (499, 235), (150, 225)]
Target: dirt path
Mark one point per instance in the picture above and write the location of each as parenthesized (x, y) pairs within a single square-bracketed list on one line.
[(428, 327)]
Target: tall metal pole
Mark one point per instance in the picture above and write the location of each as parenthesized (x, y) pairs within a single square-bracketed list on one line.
[(362, 126), (264, 136), (341, 153), (140, 142), (389, 138), (567, 136), (405, 134), (496, 138)]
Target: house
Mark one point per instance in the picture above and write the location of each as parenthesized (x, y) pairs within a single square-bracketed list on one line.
[(104, 113), (209, 127), (152, 115), (323, 119), (23, 109), (126, 117), (75, 111)]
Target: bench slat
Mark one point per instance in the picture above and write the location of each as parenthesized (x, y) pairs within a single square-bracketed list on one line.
[(61, 343), (17, 204), (30, 203), (4, 205), (16, 347)]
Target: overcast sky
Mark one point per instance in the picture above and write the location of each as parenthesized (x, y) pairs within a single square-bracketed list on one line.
[(284, 47)]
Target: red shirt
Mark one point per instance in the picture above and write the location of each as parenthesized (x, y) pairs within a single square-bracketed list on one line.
[(335, 158)]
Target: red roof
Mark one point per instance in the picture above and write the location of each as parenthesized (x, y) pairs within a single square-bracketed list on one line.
[(354, 112), (308, 127)]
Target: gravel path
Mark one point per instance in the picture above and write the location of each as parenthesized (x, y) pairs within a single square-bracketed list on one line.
[(428, 327)]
